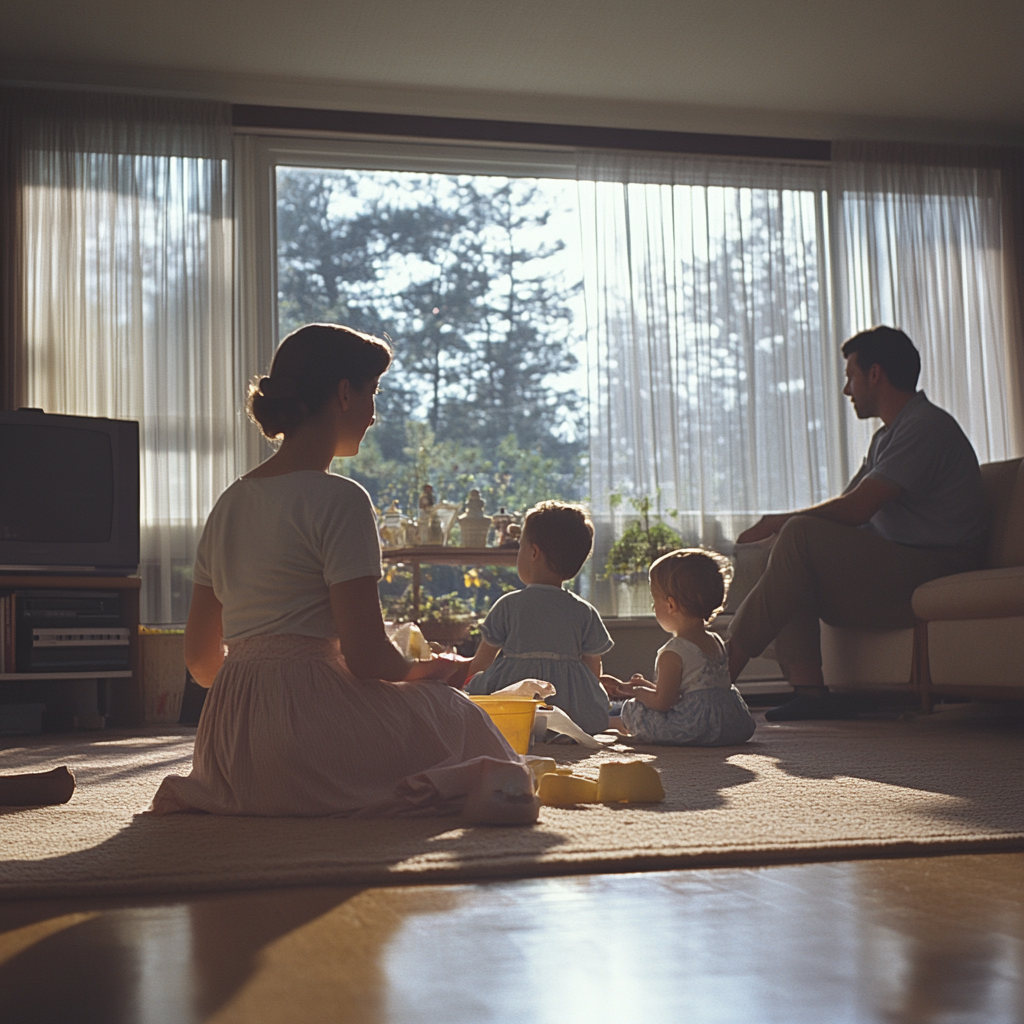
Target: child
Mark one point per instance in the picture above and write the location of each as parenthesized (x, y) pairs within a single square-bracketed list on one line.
[(545, 632), (692, 701)]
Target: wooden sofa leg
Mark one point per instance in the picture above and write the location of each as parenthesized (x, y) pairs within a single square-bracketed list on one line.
[(922, 676)]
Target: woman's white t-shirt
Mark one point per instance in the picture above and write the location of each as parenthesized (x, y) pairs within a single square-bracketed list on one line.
[(273, 546)]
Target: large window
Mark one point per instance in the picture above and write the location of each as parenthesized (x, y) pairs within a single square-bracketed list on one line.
[(597, 326), (585, 325)]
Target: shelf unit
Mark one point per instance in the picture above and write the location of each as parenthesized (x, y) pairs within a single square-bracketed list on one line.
[(124, 701)]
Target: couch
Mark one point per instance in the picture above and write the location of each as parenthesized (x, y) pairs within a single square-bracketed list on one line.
[(969, 638)]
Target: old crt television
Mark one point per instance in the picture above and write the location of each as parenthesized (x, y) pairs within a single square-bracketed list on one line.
[(69, 494)]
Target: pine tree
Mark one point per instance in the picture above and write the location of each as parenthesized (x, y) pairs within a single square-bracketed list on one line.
[(446, 267)]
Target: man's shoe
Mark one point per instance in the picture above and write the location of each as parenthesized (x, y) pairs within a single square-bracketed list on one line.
[(805, 707)]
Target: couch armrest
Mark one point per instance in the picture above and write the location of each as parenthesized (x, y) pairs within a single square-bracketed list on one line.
[(982, 594)]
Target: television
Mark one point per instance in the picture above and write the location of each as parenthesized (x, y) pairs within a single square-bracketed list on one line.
[(69, 494)]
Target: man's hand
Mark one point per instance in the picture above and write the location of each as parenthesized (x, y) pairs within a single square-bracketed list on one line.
[(854, 508), (764, 528)]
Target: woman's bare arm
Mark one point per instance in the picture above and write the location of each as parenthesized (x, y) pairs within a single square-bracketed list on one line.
[(204, 635), (593, 662), (368, 652)]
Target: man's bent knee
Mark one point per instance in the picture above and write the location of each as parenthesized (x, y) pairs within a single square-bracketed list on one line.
[(800, 531)]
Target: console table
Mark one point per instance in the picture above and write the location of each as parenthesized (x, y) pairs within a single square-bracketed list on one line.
[(443, 554)]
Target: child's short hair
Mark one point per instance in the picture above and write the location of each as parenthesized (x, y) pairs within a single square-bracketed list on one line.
[(696, 579), (564, 534)]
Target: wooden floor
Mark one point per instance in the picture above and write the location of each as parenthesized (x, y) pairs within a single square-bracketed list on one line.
[(937, 940)]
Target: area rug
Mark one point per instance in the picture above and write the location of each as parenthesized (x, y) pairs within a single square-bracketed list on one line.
[(951, 782)]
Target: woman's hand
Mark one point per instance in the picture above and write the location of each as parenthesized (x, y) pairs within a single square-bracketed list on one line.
[(485, 654), (365, 646), (442, 668)]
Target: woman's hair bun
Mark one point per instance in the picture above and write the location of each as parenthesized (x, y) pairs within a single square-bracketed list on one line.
[(275, 405), (306, 370), (279, 387)]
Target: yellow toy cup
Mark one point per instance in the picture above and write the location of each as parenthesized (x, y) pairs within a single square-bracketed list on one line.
[(512, 715)]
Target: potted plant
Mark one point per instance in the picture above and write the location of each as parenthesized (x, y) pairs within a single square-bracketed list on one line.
[(631, 555)]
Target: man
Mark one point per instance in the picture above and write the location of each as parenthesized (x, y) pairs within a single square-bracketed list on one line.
[(914, 511)]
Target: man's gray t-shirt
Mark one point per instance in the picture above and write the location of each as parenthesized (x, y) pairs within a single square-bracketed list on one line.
[(941, 501)]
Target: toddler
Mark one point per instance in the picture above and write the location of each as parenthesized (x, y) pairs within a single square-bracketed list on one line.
[(692, 701), (545, 631)]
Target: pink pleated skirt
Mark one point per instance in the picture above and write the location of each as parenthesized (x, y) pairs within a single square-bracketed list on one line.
[(288, 730)]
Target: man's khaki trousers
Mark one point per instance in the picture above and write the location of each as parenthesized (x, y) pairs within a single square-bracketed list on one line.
[(843, 575)]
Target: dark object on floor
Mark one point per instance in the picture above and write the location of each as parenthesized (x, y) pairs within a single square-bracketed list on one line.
[(192, 701), (37, 789), (804, 707)]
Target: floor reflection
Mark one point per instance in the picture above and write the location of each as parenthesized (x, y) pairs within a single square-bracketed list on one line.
[(941, 943), (922, 941), (883, 941)]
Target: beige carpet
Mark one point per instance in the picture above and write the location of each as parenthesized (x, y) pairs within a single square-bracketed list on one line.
[(950, 782)]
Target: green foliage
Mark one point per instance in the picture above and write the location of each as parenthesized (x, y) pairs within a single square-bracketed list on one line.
[(513, 478), (457, 271), (451, 268), (443, 608), (641, 542)]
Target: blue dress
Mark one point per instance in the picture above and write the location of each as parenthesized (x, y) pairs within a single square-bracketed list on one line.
[(710, 711), (542, 632)]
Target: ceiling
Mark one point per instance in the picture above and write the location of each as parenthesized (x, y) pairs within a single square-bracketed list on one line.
[(944, 68)]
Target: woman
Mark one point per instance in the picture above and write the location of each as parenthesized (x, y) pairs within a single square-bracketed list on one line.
[(313, 711)]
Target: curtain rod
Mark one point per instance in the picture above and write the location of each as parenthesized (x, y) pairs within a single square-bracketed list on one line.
[(526, 132)]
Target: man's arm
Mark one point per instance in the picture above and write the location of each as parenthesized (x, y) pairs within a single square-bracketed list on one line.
[(854, 508)]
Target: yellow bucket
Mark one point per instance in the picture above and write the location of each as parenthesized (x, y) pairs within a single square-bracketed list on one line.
[(513, 716)]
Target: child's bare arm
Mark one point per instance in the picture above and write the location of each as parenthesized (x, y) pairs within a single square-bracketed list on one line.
[(614, 687), (669, 671), (619, 688), (637, 682), (485, 655), (593, 662)]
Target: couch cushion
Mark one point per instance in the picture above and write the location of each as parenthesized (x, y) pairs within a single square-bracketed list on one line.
[(983, 594), (985, 652), (853, 658), (1004, 488)]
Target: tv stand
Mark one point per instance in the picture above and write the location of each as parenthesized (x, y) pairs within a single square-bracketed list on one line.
[(115, 694)]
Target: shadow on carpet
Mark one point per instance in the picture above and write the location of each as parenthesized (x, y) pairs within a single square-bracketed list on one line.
[(951, 782)]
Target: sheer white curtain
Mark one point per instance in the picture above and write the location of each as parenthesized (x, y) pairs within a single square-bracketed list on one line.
[(921, 245), (718, 294), (714, 380), (126, 213)]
